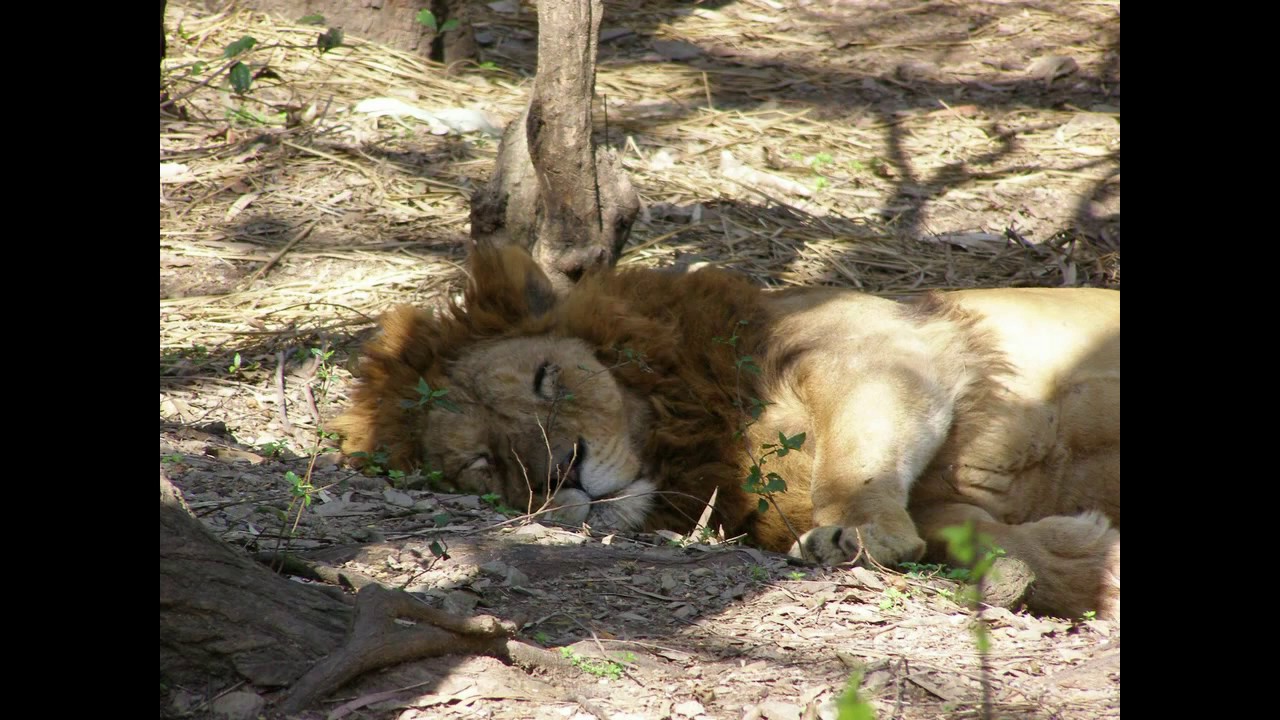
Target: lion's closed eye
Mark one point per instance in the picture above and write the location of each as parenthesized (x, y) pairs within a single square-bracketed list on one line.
[(546, 381)]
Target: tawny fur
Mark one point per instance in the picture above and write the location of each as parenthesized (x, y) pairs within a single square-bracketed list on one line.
[(996, 406)]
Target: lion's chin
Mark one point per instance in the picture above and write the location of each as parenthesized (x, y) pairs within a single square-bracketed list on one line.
[(625, 509)]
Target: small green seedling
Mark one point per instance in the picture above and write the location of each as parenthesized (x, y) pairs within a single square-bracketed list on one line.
[(428, 18), (600, 668), (430, 397), (850, 705), (495, 501)]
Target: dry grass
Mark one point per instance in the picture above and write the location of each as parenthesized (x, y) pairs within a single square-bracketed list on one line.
[(317, 226), (897, 147)]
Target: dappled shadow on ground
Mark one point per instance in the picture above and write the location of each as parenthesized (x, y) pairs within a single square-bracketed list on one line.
[(934, 156), (881, 64), (922, 120), (728, 628)]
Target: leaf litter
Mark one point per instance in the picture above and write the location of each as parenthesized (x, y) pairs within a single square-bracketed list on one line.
[(894, 148)]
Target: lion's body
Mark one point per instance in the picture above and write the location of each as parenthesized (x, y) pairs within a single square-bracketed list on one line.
[(1000, 406)]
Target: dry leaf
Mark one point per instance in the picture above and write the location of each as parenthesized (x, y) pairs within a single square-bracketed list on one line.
[(1051, 67), (690, 708)]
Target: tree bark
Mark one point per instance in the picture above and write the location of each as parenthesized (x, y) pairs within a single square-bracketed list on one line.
[(224, 617), (551, 191), (162, 44)]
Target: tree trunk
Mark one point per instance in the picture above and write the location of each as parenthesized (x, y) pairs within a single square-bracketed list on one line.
[(224, 617), (551, 192), (162, 45)]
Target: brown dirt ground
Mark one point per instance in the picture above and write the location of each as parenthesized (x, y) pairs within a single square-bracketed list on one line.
[(893, 146)]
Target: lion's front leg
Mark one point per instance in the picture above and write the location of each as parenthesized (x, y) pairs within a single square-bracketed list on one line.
[(883, 532), (872, 444)]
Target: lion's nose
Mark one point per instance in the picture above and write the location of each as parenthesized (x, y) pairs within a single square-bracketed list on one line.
[(569, 469)]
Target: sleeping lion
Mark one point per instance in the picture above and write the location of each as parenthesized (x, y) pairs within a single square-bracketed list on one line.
[(624, 403)]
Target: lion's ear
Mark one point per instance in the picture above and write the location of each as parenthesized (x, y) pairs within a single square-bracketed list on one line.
[(507, 281)]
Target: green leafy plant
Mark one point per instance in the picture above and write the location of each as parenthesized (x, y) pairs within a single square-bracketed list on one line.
[(428, 18), (706, 535), (273, 448), (600, 668), (239, 74), (929, 570), (771, 482), (758, 573), (495, 501), (439, 550), (758, 481), (324, 370), (239, 47), (1090, 615), (978, 552), (892, 597), (241, 78), (850, 705), (429, 397), (301, 492), (237, 365), (301, 489), (373, 463), (171, 459), (973, 549), (796, 575)]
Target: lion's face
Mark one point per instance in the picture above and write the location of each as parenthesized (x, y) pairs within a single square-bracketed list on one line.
[(532, 418)]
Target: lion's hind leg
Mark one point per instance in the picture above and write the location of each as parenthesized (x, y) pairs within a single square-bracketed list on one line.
[(1075, 558)]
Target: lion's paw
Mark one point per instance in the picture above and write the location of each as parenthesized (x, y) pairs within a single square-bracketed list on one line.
[(827, 545), (833, 545)]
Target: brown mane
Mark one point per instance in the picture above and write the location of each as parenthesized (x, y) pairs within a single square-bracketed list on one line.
[(680, 363)]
